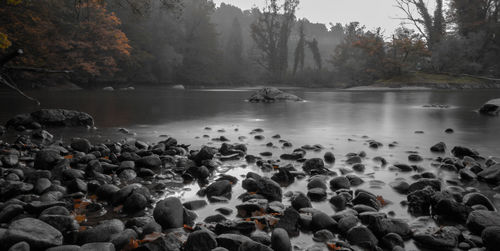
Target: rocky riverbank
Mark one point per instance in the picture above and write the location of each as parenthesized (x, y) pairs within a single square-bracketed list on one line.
[(82, 195)]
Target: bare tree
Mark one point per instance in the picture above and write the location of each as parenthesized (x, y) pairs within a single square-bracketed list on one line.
[(431, 27)]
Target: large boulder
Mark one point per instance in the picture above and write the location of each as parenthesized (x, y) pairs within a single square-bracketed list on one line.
[(52, 118), (491, 107), (169, 213), (271, 94), (478, 220), (38, 234)]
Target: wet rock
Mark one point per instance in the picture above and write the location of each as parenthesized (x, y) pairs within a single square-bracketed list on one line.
[(317, 182), (251, 207), (317, 194), (491, 107), (368, 199), (106, 191), (392, 240), (20, 246), (151, 162), (314, 165), (47, 159), (170, 242), (200, 240), (63, 223), (461, 152), (382, 226), (81, 145), (323, 236), (284, 177), (135, 202), (447, 207), (101, 246), (491, 237), (52, 118), (347, 222), (36, 233), (261, 237), (254, 246), (419, 201), (289, 221), (119, 240), (415, 158), (205, 153), (472, 199), (300, 201), (169, 213), (400, 186), (280, 241), (101, 232), (354, 180), (491, 174), (195, 204), (443, 238), (9, 212), (467, 174), (231, 242), (439, 147), (339, 202), (358, 167), (361, 236), (268, 188), (340, 182), (478, 220), (422, 183), (321, 221), (220, 188), (224, 210), (271, 94), (329, 157), (353, 160)]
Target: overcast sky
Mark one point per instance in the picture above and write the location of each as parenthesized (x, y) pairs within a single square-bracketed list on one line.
[(371, 13)]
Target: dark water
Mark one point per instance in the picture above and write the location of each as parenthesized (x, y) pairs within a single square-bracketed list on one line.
[(329, 118)]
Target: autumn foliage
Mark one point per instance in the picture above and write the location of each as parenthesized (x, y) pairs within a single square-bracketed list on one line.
[(59, 34)]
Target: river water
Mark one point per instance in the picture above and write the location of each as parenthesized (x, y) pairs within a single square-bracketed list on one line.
[(341, 121)]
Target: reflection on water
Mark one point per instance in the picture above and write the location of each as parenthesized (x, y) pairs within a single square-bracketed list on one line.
[(328, 118)]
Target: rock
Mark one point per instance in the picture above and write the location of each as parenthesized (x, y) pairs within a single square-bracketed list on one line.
[(491, 107), (419, 201), (472, 199), (52, 118), (317, 182), (361, 236), (231, 242), (200, 240), (461, 152), (195, 204), (178, 87), (466, 174), (321, 221), (253, 246), (9, 212), (169, 213), (47, 159), (317, 194), (101, 246), (382, 226), (289, 221), (280, 241), (65, 248), (443, 238), (339, 202), (400, 186), (136, 202), (353, 160), (300, 201), (439, 147), (392, 240), (205, 153), (340, 182), (219, 188), (358, 167), (347, 222), (415, 158), (329, 157), (478, 220), (36, 233), (269, 189), (151, 162), (108, 88), (63, 223), (20, 246), (120, 240), (81, 145), (314, 165), (422, 183), (491, 237), (271, 94), (261, 237), (106, 191), (491, 174), (102, 232)]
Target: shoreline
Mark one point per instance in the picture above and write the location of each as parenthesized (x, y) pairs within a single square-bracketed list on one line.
[(129, 183)]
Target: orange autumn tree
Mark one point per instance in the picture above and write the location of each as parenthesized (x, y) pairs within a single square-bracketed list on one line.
[(58, 34)]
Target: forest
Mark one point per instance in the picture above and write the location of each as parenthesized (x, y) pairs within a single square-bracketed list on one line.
[(196, 43)]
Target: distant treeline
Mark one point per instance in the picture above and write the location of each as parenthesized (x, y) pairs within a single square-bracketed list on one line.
[(193, 42)]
